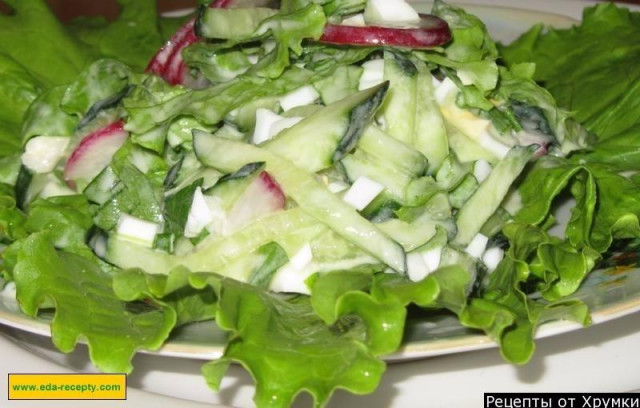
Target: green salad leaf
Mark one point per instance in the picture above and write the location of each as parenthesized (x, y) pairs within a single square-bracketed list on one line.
[(85, 305), (34, 38), (592, 71), (287, 348)]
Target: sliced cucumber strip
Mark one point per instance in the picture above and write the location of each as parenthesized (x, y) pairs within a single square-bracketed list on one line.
[(326, 136), (486, 199), (215, 252), (313, 197)]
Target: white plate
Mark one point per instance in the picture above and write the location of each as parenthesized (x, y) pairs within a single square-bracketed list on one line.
[(439, 377)]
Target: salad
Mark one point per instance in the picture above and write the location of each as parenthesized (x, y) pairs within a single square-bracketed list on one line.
[(307, 176)]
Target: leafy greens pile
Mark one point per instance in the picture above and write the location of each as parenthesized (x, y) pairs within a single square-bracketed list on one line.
[(335, 337)]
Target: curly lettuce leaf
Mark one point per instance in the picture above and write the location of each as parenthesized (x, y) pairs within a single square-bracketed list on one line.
[(608, 204), (172, 290), (67, 219), (18, 90), (591, 69), (471, 54), (508, 310), (12, 219), (286, 347), (85, 305), (45, 118)]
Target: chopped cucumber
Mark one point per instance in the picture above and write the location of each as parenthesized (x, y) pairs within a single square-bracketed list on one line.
[(214, 252), (486, 199), (342, 83), (385, 148), (324, 137), (313, 197), (411, 112), (103, 187), (360, 164)]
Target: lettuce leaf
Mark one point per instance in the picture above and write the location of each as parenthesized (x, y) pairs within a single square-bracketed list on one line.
[(591, 69), (133, 38), (35, 39), (85, 305), (509, 310), (172, 290), (286, 347)]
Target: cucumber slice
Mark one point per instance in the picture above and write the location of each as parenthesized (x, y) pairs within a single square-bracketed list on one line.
[(342, 83), (360, 164), (215, 252), (103, 187), (430, 133), (382, 146), (399, 108), (487, 198), (314, 198), (411, 112), (326, 136)]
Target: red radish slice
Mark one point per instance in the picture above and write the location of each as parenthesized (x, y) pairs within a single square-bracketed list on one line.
[(168, 63), (94, 153), (432, 32), (262, 197)]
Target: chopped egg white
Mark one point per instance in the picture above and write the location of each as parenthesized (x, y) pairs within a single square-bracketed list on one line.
[(42, 153), (136, 230), (302, 96), (199, 215), (269, 124), (362, 192), (264, 119), (492, 258), (291, 276), (481, 170), (397, 13), (372, 74), (477, 245), (421, 264)]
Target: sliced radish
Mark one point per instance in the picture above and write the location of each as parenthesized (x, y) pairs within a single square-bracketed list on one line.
[(432, 31), (262, 197), (94, 153), (168, 62)]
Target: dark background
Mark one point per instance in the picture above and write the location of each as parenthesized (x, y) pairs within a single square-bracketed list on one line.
[(67, 9)]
